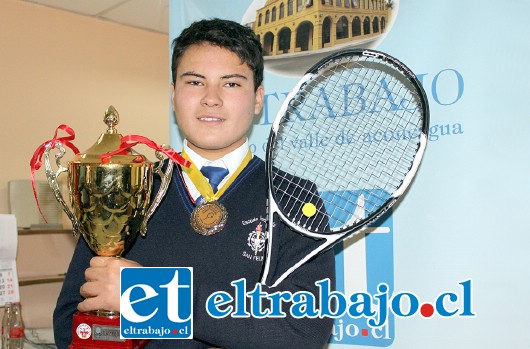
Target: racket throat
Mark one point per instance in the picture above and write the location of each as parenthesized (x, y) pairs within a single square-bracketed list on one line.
[(272, 209)]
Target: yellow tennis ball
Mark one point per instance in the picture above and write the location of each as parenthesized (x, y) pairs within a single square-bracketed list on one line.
[(309, 210)]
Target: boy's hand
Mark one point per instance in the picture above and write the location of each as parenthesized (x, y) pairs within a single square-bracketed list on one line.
[(102, 286)]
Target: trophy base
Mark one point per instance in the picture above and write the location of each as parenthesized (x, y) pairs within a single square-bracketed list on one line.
[(90, 331)]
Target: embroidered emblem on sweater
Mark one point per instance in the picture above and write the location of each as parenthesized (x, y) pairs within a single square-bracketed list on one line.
[(256, 239)]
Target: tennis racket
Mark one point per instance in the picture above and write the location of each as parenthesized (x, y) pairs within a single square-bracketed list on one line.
[(344, 147)]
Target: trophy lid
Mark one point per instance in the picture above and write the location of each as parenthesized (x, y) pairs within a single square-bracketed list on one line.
[(108, 142)]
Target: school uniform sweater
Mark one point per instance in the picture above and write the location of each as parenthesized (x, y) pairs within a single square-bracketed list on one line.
[(217, 260)]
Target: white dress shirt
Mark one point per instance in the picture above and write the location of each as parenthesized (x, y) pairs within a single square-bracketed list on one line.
[(230, 161)]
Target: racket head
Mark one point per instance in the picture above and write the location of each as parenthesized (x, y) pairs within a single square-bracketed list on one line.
[(346, 143)]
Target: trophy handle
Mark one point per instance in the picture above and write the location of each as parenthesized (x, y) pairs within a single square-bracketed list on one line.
[(54, 184), (165, 180)]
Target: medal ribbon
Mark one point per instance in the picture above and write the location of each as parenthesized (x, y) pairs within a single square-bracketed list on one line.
[(202, 184)]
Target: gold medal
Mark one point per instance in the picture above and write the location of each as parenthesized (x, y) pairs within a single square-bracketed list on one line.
[(208, 218)]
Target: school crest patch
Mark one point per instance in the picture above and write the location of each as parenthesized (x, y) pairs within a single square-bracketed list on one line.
[(256, 239)]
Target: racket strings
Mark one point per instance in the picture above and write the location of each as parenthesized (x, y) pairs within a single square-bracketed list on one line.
[(353, 132), (292, 192)]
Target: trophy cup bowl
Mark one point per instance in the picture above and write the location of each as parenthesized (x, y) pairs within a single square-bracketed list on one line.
[(110, 206), (110, 202)]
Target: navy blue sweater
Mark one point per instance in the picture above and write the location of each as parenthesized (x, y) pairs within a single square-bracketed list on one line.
[(218, 260)]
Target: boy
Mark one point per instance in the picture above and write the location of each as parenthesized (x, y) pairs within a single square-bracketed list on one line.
[(217, 72)]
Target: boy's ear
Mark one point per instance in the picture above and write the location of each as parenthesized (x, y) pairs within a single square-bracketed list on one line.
[(172, 87), (260, 98)]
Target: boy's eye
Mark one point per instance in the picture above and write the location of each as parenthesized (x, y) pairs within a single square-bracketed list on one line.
[(193, 83), (232, 84)]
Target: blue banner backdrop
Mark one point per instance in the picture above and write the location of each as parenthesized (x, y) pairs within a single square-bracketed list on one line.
[(459, 234)]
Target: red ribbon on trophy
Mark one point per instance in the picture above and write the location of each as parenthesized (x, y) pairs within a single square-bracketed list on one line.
[(36, 160), (127, 142), (130, 141)]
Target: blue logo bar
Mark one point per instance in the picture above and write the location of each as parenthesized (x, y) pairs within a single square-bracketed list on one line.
[(156, 303)]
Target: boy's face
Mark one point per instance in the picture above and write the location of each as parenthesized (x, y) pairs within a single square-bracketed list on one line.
[(214, 99)]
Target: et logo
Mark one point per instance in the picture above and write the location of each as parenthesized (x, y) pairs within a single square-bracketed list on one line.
[(156, 303)]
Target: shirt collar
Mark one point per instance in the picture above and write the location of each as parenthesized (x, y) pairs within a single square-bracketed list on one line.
[(230, 161)]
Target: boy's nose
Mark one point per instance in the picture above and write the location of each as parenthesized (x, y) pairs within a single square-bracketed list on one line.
[(212, 98)]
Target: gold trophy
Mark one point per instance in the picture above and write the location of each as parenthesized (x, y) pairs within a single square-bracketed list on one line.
[(110, 205)]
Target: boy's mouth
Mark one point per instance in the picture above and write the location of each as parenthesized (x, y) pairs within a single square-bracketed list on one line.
[(210, 118)]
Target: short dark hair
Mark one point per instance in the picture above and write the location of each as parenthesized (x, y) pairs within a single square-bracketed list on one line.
[(226, 34)]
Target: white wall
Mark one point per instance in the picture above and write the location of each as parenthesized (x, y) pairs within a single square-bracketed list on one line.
[(57, 67)]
